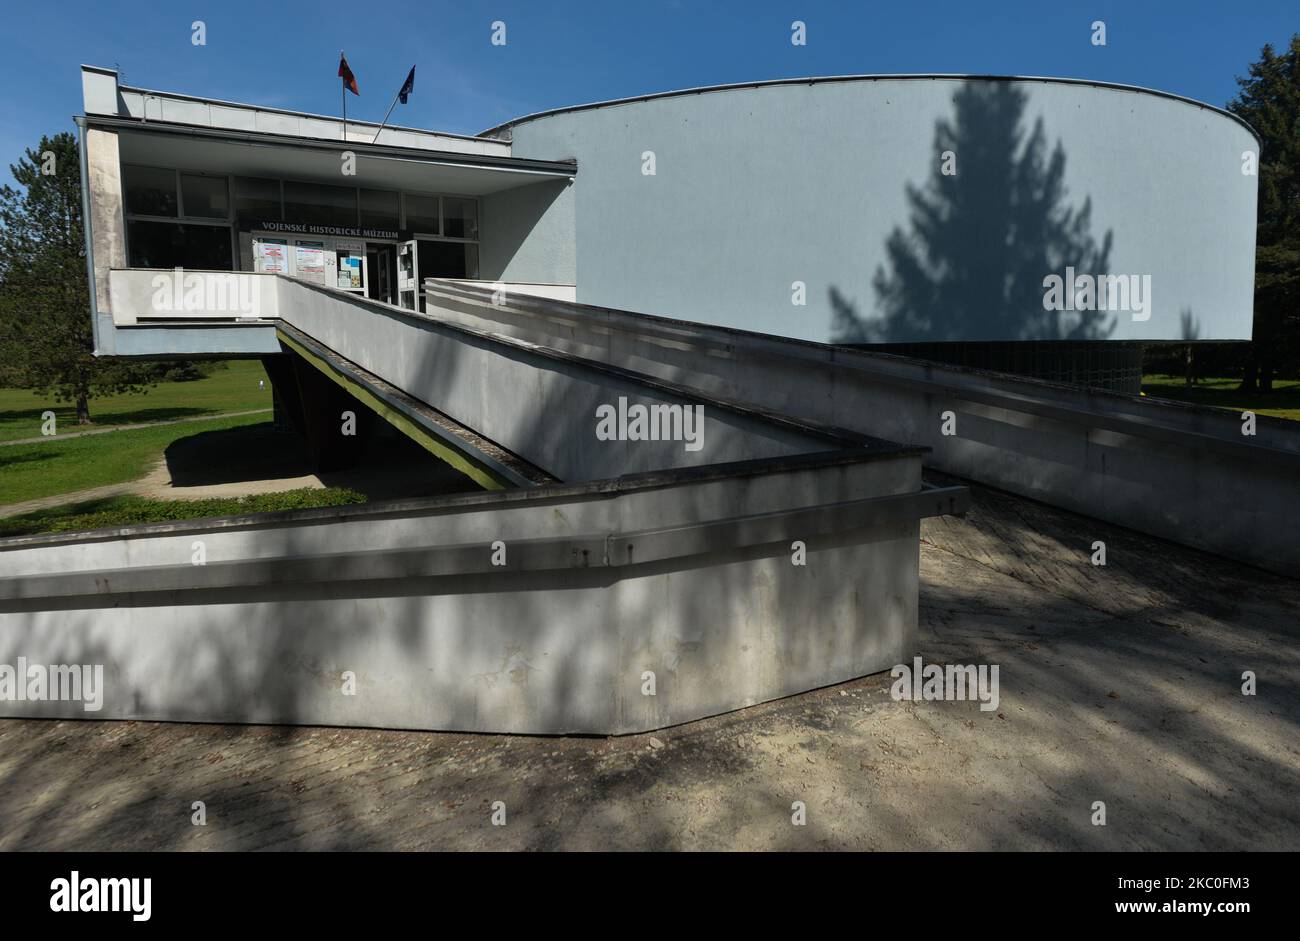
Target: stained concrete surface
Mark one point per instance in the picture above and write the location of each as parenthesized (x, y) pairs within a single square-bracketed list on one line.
[(1119, 684)]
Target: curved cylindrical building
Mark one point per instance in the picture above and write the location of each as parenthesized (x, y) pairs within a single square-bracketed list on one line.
[(912, 211)]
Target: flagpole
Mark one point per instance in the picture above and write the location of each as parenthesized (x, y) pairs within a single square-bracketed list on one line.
[(402, 92), (343, 83), (386, 114)]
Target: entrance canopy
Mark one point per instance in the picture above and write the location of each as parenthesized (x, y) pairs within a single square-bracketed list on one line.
[(258, 154)]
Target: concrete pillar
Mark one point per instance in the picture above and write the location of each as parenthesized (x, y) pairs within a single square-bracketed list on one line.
[(284, 393), (107, 210), (315, 407)]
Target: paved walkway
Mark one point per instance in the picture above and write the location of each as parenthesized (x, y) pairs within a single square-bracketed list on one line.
[(1118, 684), (146, 485), (152, 424), (62, 499)]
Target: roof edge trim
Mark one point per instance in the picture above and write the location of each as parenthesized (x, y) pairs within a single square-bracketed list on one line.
[(817, 80), (249, 106), (556, 168)]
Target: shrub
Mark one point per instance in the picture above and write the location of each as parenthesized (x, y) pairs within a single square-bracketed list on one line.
[(130, 511)]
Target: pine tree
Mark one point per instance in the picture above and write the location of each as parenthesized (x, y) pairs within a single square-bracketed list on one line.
[(46, 341), (1269, 101)]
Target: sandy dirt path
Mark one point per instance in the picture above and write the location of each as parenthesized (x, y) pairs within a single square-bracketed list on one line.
[(1119, 684)]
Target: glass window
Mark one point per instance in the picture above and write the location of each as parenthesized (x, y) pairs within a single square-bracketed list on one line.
[(169, 245), (256, 199), (205, 197), (460, 217), (379, 209), (149, 191), (309, 261), (320, 203), (448, 259), (422, 214)]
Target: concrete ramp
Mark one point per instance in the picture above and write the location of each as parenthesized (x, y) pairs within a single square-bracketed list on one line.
[(609, 584), (541, 404), (1184, 473)]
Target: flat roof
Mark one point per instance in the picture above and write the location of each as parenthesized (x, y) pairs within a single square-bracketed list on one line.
[(247, 106)]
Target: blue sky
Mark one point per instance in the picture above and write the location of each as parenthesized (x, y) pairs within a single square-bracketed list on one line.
[(566, 52)]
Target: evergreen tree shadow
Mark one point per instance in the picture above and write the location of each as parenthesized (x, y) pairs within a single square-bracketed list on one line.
[(983, 238)]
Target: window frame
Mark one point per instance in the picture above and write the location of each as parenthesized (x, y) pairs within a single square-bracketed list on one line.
[(442, 217), (401, 204), (180, 218), (231, 219), (279, 186), (356, 197)]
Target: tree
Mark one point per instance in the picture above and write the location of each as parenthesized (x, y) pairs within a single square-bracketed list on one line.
[(1269, 101), (46, 340), (983, 237)]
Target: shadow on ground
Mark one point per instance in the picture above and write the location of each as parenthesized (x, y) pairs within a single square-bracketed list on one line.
[(391, 466), (1119, 684)]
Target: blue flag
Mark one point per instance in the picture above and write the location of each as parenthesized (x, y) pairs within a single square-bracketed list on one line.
[(407, 87)]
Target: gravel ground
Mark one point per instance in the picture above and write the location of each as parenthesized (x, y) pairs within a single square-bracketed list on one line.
[(1119, 684)]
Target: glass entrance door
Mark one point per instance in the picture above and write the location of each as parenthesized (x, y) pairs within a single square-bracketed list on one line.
[(383, 274), (408, 275)]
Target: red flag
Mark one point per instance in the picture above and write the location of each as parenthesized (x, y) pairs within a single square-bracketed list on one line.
[(345, 73)]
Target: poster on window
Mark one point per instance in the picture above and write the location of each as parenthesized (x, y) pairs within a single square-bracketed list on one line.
[(273, 256), (309, 261), (349, 272)]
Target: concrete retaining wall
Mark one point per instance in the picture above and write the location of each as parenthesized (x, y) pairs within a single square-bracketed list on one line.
[(688, 576)]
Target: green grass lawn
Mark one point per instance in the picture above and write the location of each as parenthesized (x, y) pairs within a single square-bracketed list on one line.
[(232, 389), (129, 510), (29, 471), (1282, 402)]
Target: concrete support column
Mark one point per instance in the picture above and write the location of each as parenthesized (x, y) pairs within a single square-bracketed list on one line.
[(315, 407), (107, 210)]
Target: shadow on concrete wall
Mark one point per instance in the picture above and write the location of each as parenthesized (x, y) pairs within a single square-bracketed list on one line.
[(982, 238), (509, 218)]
